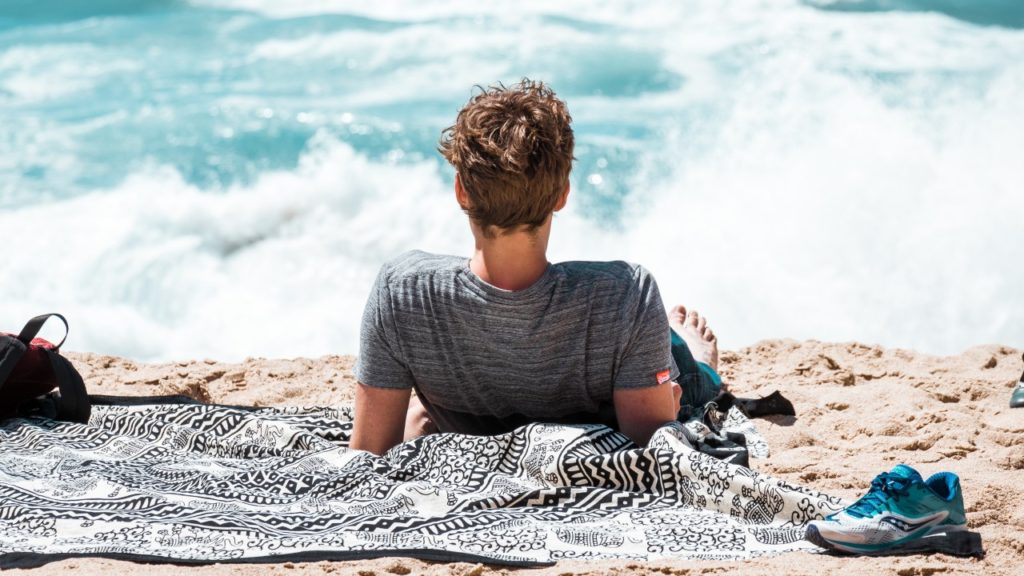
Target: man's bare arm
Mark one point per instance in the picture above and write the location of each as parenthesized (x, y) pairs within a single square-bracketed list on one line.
[(379, 419), (641, 411)]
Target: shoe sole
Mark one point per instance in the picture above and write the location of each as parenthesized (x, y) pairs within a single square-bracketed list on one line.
[(813, 535)]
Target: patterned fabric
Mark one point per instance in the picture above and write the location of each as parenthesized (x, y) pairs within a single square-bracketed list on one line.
[(202, 483)]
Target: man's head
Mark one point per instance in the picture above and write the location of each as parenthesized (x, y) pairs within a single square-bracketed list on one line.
[(511, 147)]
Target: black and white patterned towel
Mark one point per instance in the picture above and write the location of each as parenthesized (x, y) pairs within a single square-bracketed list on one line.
[(199, 483)]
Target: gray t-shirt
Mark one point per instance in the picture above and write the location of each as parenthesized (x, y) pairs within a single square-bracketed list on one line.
[(485, 360)]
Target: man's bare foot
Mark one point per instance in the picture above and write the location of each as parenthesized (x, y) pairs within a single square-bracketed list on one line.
[(694, 330)]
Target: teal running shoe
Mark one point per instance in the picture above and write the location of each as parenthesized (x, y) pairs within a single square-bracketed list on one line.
[(1017, 398), (899, 508)]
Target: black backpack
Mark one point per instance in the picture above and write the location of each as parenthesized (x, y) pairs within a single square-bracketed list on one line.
[(31, 368)]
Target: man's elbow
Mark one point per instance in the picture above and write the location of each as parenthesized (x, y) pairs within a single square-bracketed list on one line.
[(641, 435), (641, 411), (359, 443), (379, 421)]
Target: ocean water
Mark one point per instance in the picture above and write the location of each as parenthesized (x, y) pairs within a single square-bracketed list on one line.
[(223, 178)]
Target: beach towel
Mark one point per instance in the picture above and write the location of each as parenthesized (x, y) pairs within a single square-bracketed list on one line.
[(197, 483)]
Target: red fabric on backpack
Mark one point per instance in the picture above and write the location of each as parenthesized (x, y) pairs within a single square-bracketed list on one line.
[(32, 376)]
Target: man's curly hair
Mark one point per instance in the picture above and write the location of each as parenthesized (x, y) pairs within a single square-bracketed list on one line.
[(512, 149)]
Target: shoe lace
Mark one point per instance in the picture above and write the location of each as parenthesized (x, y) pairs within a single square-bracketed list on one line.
[(885, 487)]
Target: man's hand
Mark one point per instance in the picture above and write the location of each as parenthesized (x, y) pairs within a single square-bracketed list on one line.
[(379, 419), (641, 411)]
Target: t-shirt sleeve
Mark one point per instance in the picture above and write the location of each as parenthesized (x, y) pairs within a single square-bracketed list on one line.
[(380, 363), (647, 352)]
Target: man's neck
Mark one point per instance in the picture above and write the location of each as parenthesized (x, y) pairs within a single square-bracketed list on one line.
[(511, 261)]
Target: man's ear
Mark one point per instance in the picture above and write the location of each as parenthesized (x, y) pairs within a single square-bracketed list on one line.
[(460, 193), (564, 198)]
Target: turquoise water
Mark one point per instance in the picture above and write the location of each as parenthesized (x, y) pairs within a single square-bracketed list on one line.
[(189, 179)]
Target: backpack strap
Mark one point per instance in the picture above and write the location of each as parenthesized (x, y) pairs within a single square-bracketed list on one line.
[(33, 326), (74, 405), (11, 351)]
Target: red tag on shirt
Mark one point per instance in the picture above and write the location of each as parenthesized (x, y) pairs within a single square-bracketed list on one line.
[(663, 376)]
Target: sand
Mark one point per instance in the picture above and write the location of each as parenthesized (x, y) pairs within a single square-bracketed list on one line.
[(861, 409)]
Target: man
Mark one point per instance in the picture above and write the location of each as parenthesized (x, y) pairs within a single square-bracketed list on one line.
[(505, 338)]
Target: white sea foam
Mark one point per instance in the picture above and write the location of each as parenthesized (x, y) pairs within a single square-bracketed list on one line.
[(799, 241), (33, 74), (810, 174), (637, 12), (866, 224), (159, 269)]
